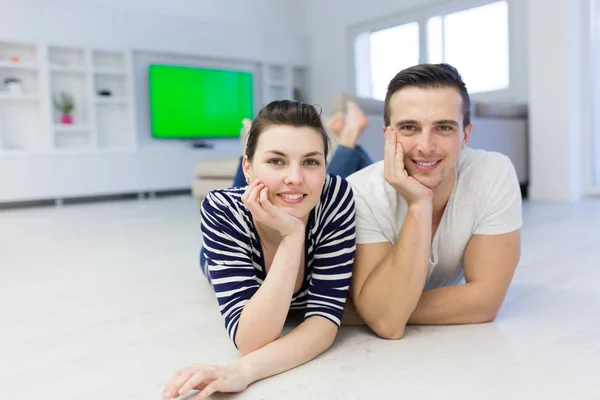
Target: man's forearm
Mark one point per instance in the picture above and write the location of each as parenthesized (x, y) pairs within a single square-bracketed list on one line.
[(390, 294), (305, 342), (265, 313), (464, 304)]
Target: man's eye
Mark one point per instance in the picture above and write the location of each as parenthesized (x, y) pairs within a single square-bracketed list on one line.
[(408, 129), (445, 128), (275, 161), (311, 161)]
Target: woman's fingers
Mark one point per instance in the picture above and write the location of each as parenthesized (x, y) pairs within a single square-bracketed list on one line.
[(175, 383), (265, 202), (214, 386), (200, 379), (252, 194)]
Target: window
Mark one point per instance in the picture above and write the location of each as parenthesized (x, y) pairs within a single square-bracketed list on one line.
[(595, 94), (390, 50), (474, 40)]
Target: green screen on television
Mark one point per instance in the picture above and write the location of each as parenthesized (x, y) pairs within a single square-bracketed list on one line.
[(198, 103)]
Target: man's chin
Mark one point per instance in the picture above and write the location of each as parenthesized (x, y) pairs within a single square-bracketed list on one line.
[(430, 182)]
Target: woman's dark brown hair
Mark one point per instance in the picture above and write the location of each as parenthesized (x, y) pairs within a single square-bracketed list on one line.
[(286, 113)]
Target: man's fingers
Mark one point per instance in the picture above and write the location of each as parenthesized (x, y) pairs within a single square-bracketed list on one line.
[(389, 153), (399, 159)]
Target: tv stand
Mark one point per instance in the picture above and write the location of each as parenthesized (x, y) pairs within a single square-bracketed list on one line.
[(201, 145)]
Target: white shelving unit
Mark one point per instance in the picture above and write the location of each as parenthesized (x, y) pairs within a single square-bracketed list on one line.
[(20, 108), (285, 82), (113, 93), (99, 82)]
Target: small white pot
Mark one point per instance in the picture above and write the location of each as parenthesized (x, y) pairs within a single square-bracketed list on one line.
[(14, 88)]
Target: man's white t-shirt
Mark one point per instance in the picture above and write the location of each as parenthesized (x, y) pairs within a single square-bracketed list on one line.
[(486, 200)]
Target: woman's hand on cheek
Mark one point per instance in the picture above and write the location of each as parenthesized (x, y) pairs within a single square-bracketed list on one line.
[(257, 201)]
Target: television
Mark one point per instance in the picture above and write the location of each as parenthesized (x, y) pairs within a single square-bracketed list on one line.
[(198, 103)]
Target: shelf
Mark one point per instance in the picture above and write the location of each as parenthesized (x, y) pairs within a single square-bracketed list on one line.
[(60, 68), (18, 65), (110, 71), (112, 100), (66, 57), (71, 128), (110, 60), (19, 97), (25, 53)]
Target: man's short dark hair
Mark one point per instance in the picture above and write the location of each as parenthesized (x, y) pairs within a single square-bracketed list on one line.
[(429, 76)]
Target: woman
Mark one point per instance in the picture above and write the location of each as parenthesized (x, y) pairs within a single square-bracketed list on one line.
[(285, 242), (348, 157)]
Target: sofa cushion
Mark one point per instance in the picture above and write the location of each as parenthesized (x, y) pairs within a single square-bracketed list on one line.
[(218, 168)]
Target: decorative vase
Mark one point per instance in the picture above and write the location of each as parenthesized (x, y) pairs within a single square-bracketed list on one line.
[(66, 119)]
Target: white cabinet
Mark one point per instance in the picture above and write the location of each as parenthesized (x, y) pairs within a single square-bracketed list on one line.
[(34, 76), (21, 126)]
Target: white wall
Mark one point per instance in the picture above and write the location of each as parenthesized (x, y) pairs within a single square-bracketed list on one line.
[(244, 31), (263, 15), (558, 112), (332, 23)]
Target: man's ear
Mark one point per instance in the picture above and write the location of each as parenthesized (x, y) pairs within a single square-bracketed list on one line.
[(383, 128), (247, 168), (467, 135)]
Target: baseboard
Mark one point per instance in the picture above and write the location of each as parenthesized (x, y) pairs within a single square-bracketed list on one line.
[(93, 199)]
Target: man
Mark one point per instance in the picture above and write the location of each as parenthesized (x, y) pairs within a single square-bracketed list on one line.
[(433, 212)]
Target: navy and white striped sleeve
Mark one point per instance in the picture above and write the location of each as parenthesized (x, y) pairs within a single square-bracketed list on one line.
[(334, 254), (228, 255)]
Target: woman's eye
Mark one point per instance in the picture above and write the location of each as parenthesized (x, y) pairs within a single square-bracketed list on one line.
[(275, 161), (311, 161)]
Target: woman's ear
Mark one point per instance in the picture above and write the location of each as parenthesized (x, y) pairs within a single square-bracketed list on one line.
[(247, 168)]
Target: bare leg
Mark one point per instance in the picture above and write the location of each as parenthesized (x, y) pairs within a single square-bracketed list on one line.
[(356, 122)]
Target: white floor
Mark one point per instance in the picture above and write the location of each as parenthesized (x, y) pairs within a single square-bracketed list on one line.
[(105, 301)]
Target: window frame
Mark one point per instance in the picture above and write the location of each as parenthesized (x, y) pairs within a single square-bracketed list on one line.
[(421, 15), (591, 98)]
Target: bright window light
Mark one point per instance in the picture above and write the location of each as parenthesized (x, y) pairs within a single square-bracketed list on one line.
[(476, 43), (392, 50), (435, 40)]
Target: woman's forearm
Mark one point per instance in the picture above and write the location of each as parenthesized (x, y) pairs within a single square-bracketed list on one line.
[(305, 342), (262, 318)]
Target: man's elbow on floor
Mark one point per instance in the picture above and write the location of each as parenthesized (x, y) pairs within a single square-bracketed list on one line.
[(388, 331), (488, 313)]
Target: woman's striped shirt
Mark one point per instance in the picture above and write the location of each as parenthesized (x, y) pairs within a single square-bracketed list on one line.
[(235, 263)]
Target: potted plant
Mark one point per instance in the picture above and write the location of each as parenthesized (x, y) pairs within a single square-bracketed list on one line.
[(65, 104), (13, 85)]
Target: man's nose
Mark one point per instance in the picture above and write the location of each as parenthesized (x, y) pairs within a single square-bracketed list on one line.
[(426, 142)]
